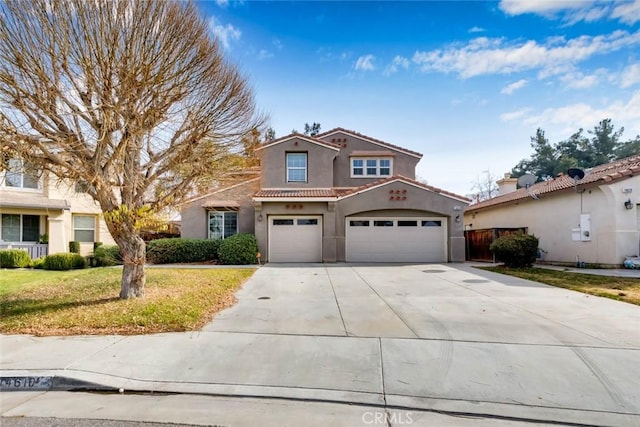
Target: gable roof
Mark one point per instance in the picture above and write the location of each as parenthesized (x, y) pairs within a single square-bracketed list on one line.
[(599, 175), (371, 140), (385, 181), (310, 139), (220, 190)]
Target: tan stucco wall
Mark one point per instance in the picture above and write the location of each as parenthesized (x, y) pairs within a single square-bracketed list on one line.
[(614, 229), (403, 164), (319, 164), (194, 218)]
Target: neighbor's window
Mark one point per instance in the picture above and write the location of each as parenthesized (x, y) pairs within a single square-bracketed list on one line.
[(84, 228), (370, 167), (20, 228), (296, 167), (20, 174), (222, 224)]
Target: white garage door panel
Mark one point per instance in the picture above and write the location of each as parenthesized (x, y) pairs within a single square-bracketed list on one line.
[(423, 242), (295, 239)]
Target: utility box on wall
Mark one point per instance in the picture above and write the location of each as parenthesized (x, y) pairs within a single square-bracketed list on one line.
[(583, 232)]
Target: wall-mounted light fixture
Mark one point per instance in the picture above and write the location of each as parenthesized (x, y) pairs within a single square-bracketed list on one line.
[(628, 204), (458, 218), (260, 218)]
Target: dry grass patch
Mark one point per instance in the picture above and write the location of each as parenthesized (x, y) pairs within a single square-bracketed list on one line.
[(618, 288), (85, 302)]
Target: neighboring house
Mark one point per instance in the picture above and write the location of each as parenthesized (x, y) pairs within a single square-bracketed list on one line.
[(344, 196), (592, 220), (36, 209)]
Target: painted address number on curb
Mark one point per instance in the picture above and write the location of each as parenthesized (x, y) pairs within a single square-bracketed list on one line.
[(26, 383)]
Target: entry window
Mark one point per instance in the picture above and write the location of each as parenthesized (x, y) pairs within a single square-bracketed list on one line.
[(370, 167), (302, 221), (20, 174), (282, 222), (407, 223), (296, 167), (222, 224), (20, 228), (359, 223), (432, 223), (84, 228), (383, 223)]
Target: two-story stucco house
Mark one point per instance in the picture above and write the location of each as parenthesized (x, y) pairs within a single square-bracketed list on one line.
[(338, 196), (36, 208)]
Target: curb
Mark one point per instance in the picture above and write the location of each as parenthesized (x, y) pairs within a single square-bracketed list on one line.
[(48, 383)]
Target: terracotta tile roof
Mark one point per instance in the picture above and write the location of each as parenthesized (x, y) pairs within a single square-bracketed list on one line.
[(298, 193), (299, 135), (598, 175), (377, 141), (364, 153), (231, 204), (408, 180)]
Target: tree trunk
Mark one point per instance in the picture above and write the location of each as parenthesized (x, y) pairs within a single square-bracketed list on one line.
[(134, 255)]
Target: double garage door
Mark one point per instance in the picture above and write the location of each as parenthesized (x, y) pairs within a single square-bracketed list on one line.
[(420, 239), (396, 239)]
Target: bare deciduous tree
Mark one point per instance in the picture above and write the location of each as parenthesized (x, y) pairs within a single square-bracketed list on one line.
[(484, 187), (134, 98)]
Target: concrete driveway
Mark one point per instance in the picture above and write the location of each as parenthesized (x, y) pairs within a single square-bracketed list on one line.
[(445, 338)]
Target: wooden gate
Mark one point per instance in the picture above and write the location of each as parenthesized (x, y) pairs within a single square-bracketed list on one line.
[(478, 242)]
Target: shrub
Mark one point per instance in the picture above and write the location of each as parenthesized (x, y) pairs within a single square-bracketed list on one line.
[(74, 247), (37, 263), (105, 256), (516, 250), (238, 249), (168, 251), (64, 261), (14, 258), (96, 245)]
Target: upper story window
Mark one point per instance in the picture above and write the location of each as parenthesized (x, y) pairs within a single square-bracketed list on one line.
[(19, 174), (370, 167), (296, 167)]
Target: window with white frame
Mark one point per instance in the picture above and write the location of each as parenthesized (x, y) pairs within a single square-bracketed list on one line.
[(20, 228), (222, 224), (370, 167), (296, 167), (84, 228), (20, 174)]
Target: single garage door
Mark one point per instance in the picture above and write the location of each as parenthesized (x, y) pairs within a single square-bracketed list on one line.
[(295, 239), (396, 239)]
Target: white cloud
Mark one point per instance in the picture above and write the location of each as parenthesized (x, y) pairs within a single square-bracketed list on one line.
[(476, 30), (365, 63), (222, 3), (514, 115), (629, 13), (264, 54), (277, 44), (630, 76), (581, 115), (497, 56), (579, 80), (512, 87), (573, 11), (224, 33), (398, 62)]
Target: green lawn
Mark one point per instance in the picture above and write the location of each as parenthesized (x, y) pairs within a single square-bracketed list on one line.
[(618, 288), (76, 302)]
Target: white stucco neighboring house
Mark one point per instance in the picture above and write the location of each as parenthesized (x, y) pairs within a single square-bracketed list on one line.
[(42, 214), (595, 220)]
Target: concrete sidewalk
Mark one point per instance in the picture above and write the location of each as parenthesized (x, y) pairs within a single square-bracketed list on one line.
[(442, 338)]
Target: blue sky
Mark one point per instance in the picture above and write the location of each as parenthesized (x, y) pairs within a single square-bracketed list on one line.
[(464, 83)]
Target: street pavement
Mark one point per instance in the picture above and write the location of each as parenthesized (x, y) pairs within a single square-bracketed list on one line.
[(437, 341)]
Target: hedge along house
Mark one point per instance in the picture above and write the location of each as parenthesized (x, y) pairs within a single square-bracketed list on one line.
[(594, 220), (344, 196), (42, 214)]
